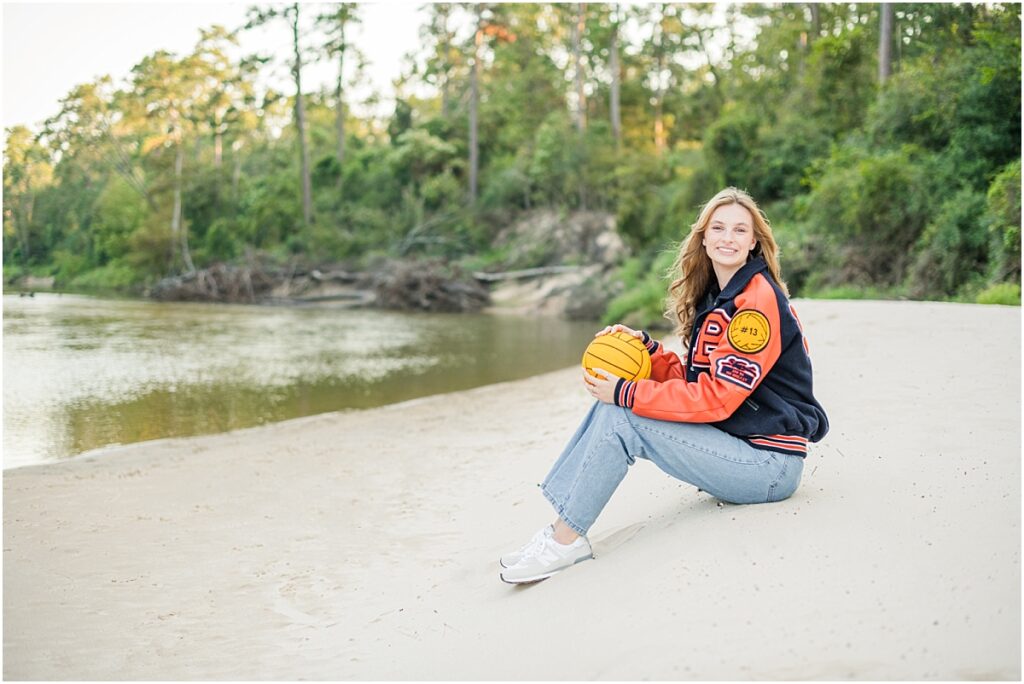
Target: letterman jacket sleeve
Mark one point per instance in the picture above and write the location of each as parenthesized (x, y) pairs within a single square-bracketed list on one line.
[(664, 363), (745, 354)]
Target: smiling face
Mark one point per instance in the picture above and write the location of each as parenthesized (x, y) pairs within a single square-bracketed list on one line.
[(729, 239)]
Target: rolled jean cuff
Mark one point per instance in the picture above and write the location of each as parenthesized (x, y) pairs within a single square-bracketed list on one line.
[(560, 510)]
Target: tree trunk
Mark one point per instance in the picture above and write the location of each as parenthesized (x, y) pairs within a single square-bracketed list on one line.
[(236, 174), (340, 112), (300, 123), (579, 25), (474, 96), (659, 114), (613, 66), (176, 208), (22, 222), (218, 140), (885, 43), (659, 125), (577, 60), (23, 215), (178, 231), (447, 48), (23, 235), (807, 39), (898, 65), (659, 89)]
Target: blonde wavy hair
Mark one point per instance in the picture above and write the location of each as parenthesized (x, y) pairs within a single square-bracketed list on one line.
[(692, 271)]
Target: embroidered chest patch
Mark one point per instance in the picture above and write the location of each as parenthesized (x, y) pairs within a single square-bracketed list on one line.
[(749, 331)]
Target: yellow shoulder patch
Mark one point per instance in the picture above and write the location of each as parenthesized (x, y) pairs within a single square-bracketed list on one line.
[(749, 331)]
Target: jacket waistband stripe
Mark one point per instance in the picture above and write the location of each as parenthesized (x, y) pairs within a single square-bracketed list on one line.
[(793, 439), (788, 446)]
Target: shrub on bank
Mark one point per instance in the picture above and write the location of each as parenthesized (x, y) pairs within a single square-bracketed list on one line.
[(642, 304), (1004, 293), (953, 249), (1003, 205), (115, 276)]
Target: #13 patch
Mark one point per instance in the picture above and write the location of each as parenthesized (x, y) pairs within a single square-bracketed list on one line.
[(749, 331)]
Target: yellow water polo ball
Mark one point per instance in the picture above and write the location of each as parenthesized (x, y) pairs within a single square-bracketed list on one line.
[(618, 353)]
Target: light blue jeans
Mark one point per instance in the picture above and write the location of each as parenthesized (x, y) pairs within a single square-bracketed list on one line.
[(611, 438)]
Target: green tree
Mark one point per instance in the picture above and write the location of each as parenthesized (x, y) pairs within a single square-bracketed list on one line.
[(27, 171), (290, 14), (91, 131), (170, 94), (337, 21)]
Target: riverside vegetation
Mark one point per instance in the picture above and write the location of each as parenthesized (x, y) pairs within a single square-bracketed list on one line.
[(882, 140)]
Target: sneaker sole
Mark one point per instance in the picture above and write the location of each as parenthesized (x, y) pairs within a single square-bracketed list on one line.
[(538, 578)]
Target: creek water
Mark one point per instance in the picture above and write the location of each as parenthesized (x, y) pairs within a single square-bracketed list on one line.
[(82, 372)]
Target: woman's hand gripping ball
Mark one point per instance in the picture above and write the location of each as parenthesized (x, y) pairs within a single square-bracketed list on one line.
[(602, 388)]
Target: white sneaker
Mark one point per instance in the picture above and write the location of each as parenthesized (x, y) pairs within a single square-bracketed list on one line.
[(545, 558), (510, 559)]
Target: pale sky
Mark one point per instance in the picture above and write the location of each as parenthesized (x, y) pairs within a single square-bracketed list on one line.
[(48, 48)]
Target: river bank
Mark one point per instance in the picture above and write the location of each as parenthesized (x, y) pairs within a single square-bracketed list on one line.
[(541, 263), (363, 544)]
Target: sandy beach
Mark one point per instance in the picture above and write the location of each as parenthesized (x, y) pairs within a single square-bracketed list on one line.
[(364, 544)]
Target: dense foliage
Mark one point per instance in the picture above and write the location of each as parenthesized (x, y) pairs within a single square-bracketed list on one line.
[(899, 178)]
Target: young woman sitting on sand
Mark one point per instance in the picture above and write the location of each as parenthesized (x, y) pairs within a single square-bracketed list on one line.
[(733, 418)]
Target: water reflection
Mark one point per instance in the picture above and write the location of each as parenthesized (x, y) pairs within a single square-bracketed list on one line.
[(81, 372)]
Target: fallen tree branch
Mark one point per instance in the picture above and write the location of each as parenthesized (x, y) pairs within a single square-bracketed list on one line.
[(525, 273)]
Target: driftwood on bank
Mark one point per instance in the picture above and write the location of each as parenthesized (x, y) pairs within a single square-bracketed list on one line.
[(429, 286), (335, 276), (425, 285), (525, 273), (218, 283)]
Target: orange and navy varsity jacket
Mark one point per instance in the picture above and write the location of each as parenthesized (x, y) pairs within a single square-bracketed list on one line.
[(747, 372)]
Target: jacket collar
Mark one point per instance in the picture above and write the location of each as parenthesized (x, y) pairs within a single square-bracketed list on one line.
[(739, 279)]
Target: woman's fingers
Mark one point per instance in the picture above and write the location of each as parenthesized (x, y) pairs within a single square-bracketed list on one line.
[(601, 387), (591, 382)]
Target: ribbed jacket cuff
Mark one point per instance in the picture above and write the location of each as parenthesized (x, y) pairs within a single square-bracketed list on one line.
[(624, 393), (649, 342)]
